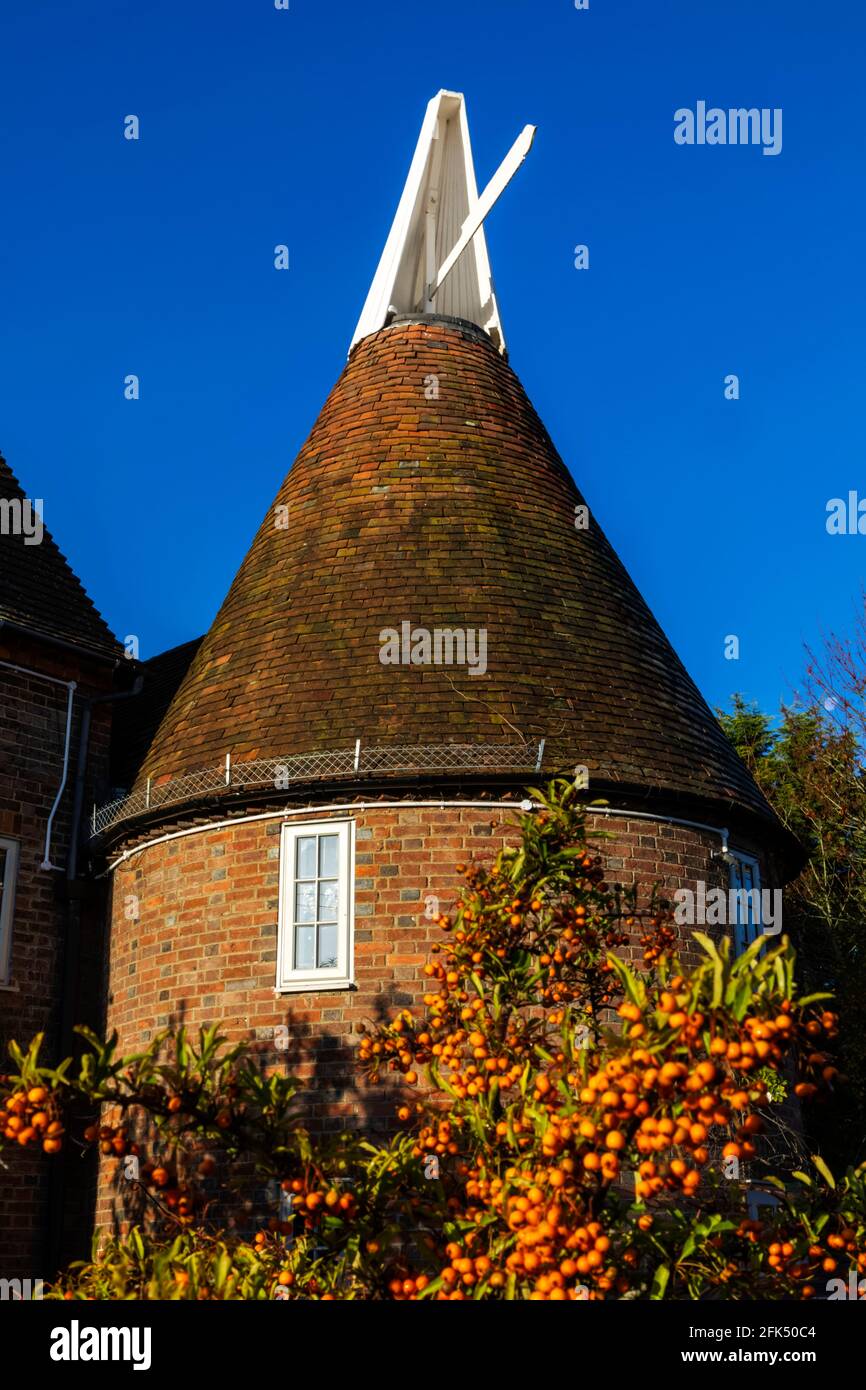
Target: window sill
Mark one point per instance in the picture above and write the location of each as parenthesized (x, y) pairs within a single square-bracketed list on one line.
[(313, 986), (9, 987)]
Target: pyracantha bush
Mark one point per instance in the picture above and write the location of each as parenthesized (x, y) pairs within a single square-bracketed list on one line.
[(581, 1113)]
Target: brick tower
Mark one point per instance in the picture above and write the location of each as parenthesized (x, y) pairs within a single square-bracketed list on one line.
[(428, 620)]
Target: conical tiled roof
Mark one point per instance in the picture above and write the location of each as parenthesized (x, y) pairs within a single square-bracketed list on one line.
[(429, 492), (38, 590)]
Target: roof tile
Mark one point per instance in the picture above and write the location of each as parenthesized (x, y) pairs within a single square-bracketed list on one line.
[(38, 589), (453, 512)]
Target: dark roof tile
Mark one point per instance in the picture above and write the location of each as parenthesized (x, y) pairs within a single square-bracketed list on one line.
[(38, 589)]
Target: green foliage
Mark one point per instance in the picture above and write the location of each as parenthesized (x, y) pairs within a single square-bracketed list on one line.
[(810, 766), (575, 1139)]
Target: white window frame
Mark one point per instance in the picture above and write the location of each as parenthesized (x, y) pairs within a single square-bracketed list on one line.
[(7, 905), (289, 979), (744, 933)]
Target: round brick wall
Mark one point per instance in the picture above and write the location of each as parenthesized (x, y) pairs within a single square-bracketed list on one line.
[(194, 930)]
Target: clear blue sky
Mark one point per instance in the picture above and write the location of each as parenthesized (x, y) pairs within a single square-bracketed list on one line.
[(260, 126)]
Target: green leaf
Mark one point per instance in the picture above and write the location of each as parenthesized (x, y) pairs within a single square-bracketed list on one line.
[(774, 1181), (517, 867), (824, 1170), (708, 944), (661, 1278), (744, 962), (634, 988), (223, 1265)]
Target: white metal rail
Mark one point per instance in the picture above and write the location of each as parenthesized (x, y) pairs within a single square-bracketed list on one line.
[(236, 775)]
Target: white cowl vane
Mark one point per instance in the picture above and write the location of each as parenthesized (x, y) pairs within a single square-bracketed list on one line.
[(435, 259)]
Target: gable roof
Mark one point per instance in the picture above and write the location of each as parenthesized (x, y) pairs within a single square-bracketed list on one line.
[(39, 592)]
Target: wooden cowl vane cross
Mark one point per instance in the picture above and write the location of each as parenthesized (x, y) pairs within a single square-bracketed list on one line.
[(435, 259)]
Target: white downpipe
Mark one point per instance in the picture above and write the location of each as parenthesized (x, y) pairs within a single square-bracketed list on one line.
[(46, 862), (71, 687), (524, 805)]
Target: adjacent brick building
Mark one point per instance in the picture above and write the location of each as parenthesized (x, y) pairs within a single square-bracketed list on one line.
[(56, 658)]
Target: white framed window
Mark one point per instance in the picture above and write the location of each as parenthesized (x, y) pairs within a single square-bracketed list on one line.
[(315, 933), (8, 874), (745, 882)]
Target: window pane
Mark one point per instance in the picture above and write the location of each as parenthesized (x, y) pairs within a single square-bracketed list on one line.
[(314, 903), (2, 871), (305, 948), (305, 902), (327, 856), (306, 857), (328, 901), (327, 948)]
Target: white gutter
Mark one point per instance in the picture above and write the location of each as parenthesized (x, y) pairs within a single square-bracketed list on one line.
[(666, 820), (71, 687), (303, 811), (524, 805)]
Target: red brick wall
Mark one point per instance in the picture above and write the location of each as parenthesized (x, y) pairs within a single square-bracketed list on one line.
[(204, 946), (32, 737)]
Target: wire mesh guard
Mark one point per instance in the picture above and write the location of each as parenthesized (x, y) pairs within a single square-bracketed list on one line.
[(280, 773)]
